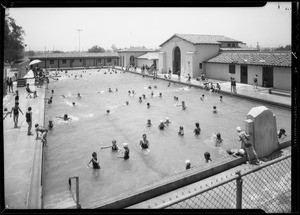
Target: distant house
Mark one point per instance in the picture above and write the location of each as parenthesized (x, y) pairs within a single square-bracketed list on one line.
[(150, 58), (76, 59), (244, 65), (187, 52), (129, 57)]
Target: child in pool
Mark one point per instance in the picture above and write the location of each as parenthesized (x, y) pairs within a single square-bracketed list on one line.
[(187, 164), (207, 157), (149, 124), (127, 103), (140, 100), (183, 105), (126, 152), (73, 103), (197, 130), (144, 96), (161, 125), (202, 97), (214, 109), (221, 98), (181, 131), (114, 146), (95, 162), (167, 122), (144, 143), (218, 140), (175, 98), (160, 94), (65, 117)]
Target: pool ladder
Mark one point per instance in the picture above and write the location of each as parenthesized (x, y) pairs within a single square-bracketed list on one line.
[(78, 206)]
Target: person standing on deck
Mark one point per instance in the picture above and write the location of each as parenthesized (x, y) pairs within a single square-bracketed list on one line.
[(170, 73), (29, 120), (255, 82), (178, 74), (15, 110)]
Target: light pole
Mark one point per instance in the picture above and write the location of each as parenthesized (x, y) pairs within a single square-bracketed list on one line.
[(79, 37)]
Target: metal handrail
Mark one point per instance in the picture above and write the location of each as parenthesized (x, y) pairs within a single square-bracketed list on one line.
[(236, 177), (77, 189)]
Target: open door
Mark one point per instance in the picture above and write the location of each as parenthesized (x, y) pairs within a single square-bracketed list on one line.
[(244, 74)]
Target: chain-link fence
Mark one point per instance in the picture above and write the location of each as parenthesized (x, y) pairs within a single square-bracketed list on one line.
[(266, 187)]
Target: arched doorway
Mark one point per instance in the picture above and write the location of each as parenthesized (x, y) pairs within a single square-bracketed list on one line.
[(176, 60), (132, 63)]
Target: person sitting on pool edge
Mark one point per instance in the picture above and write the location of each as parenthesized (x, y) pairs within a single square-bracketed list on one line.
[(187, 164), (44, 132), (197, 130), (149, 123), (181, 131), (144, 143), (114, 146), (207, 157), (65, 117), (126, 152), (281, 132), (161, 125)]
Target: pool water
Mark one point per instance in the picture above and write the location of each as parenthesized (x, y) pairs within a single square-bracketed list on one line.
[(70, 144)]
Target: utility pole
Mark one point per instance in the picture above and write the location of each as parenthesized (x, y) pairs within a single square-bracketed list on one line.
[(79, 30)]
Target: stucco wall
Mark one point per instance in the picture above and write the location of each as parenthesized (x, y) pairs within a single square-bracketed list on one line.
[(196, 54), (127, 56), (282, 78), (281, 75), (169, 48), (140, 62)]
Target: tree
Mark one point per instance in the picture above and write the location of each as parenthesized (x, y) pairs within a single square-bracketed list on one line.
[(286, 48), (13, 40), (96, 49)]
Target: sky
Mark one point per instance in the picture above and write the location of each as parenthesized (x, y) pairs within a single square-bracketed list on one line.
[(57, 28)]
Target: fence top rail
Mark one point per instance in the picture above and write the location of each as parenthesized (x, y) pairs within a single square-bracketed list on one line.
[(175, 201)]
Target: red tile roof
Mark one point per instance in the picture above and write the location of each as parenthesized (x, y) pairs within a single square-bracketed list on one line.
[(203, 39), (74, 55), (239, 49), (254, 58)]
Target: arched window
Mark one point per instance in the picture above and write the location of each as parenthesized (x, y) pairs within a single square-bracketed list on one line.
[(176, 60)]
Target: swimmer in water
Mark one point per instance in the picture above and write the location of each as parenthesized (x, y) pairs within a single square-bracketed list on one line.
[(207, 157), (49, 100), (78, 95), (218, 140), (133, 92), (175, 98), (127, 103), (202, 97), (214, 109), (140, 100), (73, 103), (148, 105), (52, 91), (107, 111), (144, 96), (63, 96), (144, 143), (149, 87), (221, 98), (114, 146), (169, 84), (181, 131), (116, 89), (149, 124), (65, 117), (197, 130), (152, 94), (161, 125), (167, 122), (96, 166), (160, 94), (155, 86), (109, 90), (187, 164), (183, 105), (126, 152), (129, 92), (50, 125)]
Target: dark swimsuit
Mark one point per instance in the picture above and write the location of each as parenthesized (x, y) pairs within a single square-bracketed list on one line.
[(95, 164), (28, 117), (16, 111), (114, 148), (197, 131), (144, 144), (126, 154)]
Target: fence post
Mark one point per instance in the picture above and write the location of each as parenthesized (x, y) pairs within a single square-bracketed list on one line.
[(77, 193), (239, 186)]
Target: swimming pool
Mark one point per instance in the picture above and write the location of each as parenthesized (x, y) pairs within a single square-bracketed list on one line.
[(70, 144)]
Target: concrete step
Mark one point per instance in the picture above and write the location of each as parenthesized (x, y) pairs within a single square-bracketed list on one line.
[(62, 200)]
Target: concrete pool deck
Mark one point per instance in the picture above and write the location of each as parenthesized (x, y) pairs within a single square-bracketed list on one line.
[(21, 163)]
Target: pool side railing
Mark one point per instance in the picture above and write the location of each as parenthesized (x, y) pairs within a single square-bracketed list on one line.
[(197, 199)]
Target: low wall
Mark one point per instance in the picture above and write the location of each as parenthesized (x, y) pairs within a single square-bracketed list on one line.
[(171, 183)]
